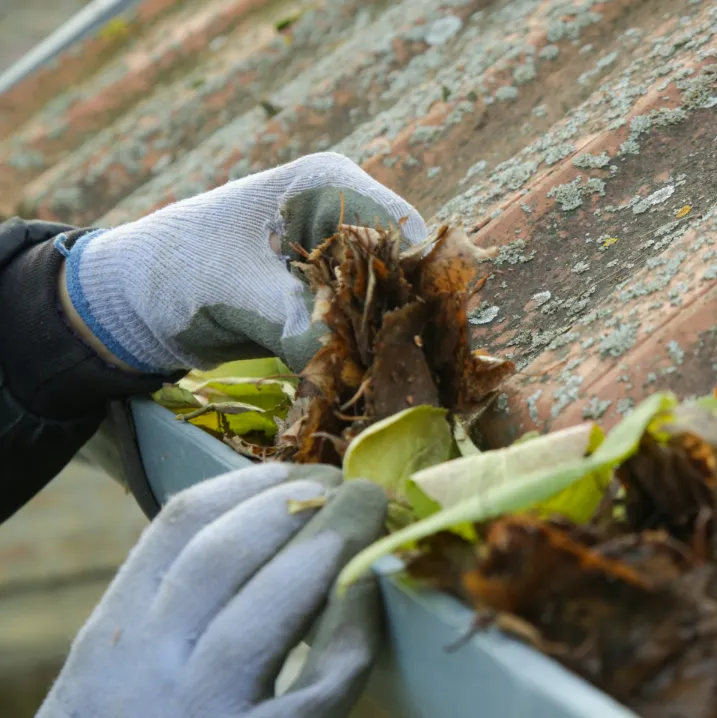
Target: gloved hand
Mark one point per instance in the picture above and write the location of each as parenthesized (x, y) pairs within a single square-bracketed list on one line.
[(198, 283), (221, 586)]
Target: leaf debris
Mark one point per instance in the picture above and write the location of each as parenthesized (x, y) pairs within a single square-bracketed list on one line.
[(396, 336), (626, 599)]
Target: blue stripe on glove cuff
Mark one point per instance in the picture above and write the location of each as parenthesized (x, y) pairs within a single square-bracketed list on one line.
[(73, 259)]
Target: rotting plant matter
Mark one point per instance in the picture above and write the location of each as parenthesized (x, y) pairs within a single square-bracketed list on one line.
[(396, 337)]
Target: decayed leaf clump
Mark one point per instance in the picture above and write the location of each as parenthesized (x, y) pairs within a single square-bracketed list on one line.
[(629, 599), (396, 337)]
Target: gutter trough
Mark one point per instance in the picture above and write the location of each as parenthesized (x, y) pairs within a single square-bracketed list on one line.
[(80, 25)]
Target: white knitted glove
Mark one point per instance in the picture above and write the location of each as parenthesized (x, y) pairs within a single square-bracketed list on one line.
[(197, 283), (221, 586)]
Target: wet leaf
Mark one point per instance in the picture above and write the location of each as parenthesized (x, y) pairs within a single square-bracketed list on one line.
[(670, 482), (398, 358), (534, 487), (222, 424), (173, 397), (452, 265), (389, 451), (234, 400), (630, 603), (542, 557), (495, 501), (451, 483), (266, 394), (248, 369), (626, 613), (463, 442)]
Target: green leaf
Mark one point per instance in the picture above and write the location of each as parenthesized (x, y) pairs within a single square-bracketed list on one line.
[(265, 383), (242, 382), (691, 417), (252, 421), (238, 424), (455, 481), (421, 503), (424, 506), (175, 397), (249, 369), (533, 488), (463, 442), (706, 402), (398, 516), (623, 441), (287, 22), (389, 451), (579, 501), (496, 501), (267, 395)]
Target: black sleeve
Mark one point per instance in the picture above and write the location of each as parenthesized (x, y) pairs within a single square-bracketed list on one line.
[(53, 387)]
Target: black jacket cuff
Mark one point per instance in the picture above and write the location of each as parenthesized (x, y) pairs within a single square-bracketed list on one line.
[(46, 367)]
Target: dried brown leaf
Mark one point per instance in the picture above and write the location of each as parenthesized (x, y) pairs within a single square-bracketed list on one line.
[(397, 333), (401, 377)]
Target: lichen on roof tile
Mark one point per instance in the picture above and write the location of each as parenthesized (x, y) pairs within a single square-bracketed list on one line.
[(577, 136)]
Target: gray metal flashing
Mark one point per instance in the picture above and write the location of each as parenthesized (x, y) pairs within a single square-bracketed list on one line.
[(81, 24)]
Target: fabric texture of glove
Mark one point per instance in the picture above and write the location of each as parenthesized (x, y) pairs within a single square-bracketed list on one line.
[(197, 283), (221, 586)]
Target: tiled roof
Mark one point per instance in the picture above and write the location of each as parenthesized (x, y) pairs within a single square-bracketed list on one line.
[(580, 137)]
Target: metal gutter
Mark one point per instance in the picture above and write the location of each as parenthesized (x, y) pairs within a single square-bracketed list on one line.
[(81, 24)]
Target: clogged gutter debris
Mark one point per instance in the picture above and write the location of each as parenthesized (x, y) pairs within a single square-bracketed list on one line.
[(397, 338), (599, 550), (396, 341), (627, 598)]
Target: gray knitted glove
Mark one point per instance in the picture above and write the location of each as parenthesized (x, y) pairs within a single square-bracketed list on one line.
[(221, 586), (198, 283)]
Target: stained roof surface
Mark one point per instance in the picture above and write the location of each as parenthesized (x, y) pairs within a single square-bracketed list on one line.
[(579, 137)]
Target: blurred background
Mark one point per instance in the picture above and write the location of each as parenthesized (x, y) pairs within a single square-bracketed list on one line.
[(57, 556), (59, 553), (24, 23)]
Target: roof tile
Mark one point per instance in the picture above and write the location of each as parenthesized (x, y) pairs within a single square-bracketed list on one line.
[(577, 136)]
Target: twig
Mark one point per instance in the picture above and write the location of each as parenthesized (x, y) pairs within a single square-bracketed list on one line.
[(341, 214), (278, 376), (479, 285), (344, 417), (339, 444), (301, 251), (361, 391)]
